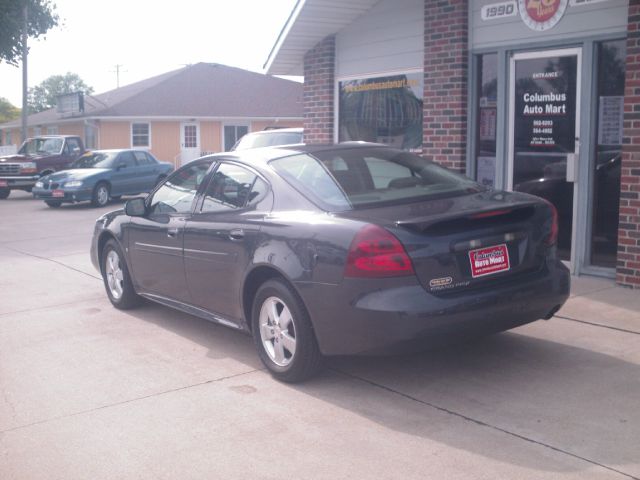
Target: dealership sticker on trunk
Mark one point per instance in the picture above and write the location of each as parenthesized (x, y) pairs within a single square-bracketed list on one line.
[(4, 183), (485, 261)]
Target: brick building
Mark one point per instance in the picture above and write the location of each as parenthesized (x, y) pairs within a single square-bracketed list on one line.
[(539, 96)]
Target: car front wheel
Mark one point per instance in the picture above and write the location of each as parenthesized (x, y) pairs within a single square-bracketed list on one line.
[(283, 333), (100, 195), (53, 203), (4, 193), (117, 280)]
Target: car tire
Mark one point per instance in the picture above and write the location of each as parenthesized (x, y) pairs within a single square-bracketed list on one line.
[(100, 196), (283, 333), (4, 193), (116, 278), (53, 203)]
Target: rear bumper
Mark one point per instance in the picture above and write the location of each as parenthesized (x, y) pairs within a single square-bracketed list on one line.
[(402, 318)]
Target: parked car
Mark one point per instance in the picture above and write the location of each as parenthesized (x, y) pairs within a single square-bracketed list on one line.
[(101, 175), (334, 250), (269, 138), (36, 158)]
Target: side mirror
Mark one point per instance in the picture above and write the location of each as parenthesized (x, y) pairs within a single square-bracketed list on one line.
[(136, 207)]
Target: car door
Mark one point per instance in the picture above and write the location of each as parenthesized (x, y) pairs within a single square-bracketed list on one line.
[(221, 236), (123, 175), (156, 240)]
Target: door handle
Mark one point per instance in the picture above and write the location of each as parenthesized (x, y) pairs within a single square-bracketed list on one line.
[(236, 234), (172, 232)]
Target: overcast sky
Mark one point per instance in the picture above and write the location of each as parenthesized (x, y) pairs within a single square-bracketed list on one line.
[(148, 38)]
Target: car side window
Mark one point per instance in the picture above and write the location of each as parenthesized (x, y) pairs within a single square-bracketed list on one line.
[(72, 146), (142, 158), (232, 187), (177, 193), (126, 159)]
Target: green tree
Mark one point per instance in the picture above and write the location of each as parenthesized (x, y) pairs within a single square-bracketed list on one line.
[(41, 18), (8, 111), (44, 96)]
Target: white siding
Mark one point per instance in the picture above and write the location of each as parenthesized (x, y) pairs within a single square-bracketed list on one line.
[(598, 18), (389, 37)]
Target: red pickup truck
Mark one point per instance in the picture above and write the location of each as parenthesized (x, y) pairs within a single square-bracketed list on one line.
[(37, 157)]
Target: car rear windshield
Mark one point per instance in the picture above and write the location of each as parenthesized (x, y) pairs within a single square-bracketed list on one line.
[(347, 179), (268, 140)]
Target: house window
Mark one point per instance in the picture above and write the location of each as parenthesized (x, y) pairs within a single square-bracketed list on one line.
[(140, 135), (382, 110), (37, 131), (52, 130), (9, 142), (233, 133)]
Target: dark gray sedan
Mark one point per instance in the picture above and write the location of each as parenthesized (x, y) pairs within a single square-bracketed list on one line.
[(333, 250)]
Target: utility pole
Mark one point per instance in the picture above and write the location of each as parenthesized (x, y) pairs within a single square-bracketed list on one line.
[(25, 35), (117, 71)]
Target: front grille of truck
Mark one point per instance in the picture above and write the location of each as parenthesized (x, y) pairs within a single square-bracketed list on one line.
[(9, 169)]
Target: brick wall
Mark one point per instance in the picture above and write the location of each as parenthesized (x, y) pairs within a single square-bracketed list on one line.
[(628, 271), (319, 68), (445, 82)]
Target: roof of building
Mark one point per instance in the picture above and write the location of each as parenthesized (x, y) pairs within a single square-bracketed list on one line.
[(310, 22), (200, 90)]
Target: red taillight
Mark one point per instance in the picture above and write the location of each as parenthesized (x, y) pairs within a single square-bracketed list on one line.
[(375, 252), (552, 238)]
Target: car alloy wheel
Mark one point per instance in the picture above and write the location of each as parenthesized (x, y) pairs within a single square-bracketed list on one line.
[(100, 195), (277, 331), (283, 333), (115, 275)]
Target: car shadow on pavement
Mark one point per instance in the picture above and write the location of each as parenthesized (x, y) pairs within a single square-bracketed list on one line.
[(546, 397)]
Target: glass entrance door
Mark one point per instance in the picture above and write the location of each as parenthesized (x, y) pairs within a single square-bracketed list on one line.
[(544, 138)]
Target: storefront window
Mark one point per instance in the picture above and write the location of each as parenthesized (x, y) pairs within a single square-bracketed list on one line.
[(383, 110), (608, 149), (487, 108)]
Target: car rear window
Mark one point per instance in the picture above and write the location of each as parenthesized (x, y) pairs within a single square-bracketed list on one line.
[(346, 179), (268, 140)]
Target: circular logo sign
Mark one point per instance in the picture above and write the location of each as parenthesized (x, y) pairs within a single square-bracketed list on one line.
[(542, 14)]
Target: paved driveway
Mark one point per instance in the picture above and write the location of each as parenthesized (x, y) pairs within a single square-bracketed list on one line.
[(89, 392)]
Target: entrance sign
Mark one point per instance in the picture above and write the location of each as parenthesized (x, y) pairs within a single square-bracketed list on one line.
[(542, 15)]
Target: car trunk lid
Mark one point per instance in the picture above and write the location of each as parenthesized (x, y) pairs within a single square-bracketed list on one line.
[(467, 241)]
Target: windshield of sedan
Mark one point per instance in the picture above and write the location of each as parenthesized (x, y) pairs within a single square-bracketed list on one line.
[(349, 179), (49, 146), (95, 160)]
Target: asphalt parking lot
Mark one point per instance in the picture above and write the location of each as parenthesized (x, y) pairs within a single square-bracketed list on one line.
[(90, 392)]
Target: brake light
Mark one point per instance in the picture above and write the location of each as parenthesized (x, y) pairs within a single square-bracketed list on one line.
[(374, 253), (493, 213), (552, 238)]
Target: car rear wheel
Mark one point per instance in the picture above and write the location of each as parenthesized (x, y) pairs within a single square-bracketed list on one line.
[(4, 193), (100, 195), (53, 203), (117, 280), (283, 333)]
